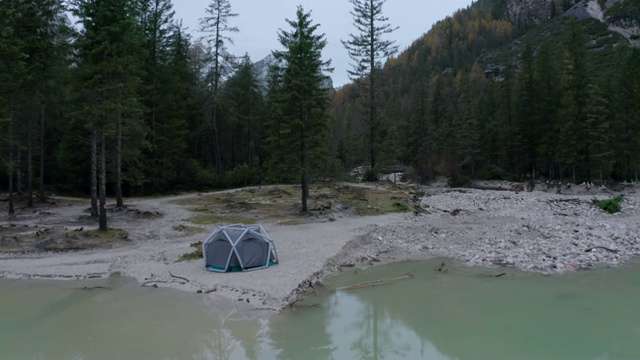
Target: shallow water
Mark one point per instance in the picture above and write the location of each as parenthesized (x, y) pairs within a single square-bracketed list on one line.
[(463, 314)]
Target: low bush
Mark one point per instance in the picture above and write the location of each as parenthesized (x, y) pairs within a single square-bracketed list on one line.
[(371, 175), (611, 206), (195, 255)]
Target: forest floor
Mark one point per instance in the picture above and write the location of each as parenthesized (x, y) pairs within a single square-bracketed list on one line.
[(551, 229)]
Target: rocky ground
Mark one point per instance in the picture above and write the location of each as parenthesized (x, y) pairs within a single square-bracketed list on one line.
[(552, 229)]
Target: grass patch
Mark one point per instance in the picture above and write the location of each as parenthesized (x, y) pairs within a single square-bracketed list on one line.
[(187, 230), (293, 222), (281, 203), (104, 237), (194, 255), (401, 206), (611, 206), (210, 219), (367, 201)]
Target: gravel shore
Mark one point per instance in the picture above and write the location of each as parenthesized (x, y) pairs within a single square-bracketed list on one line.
[(536, 231)]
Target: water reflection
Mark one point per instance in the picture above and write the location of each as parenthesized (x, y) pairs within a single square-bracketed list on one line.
[(465, 316), (459, 315)]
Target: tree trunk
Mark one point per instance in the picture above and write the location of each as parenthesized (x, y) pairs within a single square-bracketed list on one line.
[(216, 82), (42, 152), (10, 165), (18, 164), (119, 202), (103, 184), (372, 97), (94, 173), (29, 165), (305, 177)]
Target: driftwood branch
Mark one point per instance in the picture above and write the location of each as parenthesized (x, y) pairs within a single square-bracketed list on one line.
[(614, 251), (373, 283), (179, 277), (96, 287)]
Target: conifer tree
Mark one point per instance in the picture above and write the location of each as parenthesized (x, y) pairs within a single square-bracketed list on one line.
[(242, 97), (547, 89), (526, 103), (12, 78), (168, 96), (109, 72), (216, 24), (298, 137), (575, 85), (368, 48), (597, 149), (33, 35)]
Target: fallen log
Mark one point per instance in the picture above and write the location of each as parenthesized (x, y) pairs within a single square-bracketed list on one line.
[(179, 277), (614, 251), (373, 283), (96, 288)]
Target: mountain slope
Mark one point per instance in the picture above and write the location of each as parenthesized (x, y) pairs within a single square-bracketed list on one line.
[(509, 89)]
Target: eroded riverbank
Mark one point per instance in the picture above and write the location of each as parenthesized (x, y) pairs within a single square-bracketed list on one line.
[(537, 231)]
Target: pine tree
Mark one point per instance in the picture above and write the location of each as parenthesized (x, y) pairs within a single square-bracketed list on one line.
[(300, 100), (168, 95), (33, 36), (12, 78), (547, 88), (242, 97), (626, 114), (597, 149), (109, 71), (526, 107), (575, 84), (216, 24), (368, 48)]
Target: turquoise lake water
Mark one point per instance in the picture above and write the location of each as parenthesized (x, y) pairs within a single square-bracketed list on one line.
[(466, 313)]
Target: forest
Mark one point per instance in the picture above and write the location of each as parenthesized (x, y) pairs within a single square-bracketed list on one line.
[(129, 103)]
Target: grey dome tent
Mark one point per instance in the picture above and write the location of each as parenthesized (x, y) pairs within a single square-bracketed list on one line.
[(238, 248)]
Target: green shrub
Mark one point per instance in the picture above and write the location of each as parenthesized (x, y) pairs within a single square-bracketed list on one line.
[(195, 255), (196, 176), (242, 175), (459, 180), (611, 206), (371, 175)]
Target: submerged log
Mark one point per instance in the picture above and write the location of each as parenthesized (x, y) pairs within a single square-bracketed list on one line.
[(373, 283)]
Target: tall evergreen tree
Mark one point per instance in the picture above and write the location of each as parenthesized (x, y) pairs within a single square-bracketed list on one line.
[(575, 85), (302, 101), (626, 114), (368, 48), (109, 69), (167, 95), (216, 24), (526, 103), (597, 149), (547, 90), (242, 97), (33, 37), (12, 79)]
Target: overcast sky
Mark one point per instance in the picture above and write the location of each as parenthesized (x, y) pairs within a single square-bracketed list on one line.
[(259, 21)]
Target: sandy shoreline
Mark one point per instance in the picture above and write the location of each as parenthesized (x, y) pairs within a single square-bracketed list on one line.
[(535, 231)]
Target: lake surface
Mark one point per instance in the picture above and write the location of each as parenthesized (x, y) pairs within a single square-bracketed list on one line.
[(466, 313)]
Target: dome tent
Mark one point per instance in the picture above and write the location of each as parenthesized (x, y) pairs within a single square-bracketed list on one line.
[(238, 247)]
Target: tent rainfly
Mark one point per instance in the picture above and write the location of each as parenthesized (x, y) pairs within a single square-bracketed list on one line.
[(239, 247)]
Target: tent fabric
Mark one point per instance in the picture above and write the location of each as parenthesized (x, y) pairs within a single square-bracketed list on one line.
[(238, 247)]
